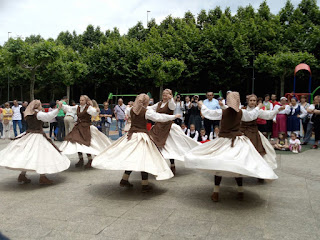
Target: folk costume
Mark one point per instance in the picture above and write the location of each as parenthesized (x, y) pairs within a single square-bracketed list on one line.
[(293, 122), (259, 141), (33, 150), (280, 121), (84, 137), (232, 154), (136, 151), (167, 136)]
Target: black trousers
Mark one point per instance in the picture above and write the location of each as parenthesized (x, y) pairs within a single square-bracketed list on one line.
[(53, 127), (209, 125), (144, 175)]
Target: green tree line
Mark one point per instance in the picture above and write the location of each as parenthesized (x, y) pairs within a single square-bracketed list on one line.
[(214, 50)]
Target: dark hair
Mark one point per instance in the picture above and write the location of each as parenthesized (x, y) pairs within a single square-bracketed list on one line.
[(53, 104), (293, 133), (303, 96), (259, 99), (216, 126), (202, 129), (283, 134), (267, 95), (64, 97)]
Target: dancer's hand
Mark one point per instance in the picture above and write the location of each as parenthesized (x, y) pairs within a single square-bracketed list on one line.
[(282, 108), (260, 105), (178, 115), (200, 103), (221, 103)]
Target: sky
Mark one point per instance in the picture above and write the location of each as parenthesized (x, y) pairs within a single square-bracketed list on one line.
[(49, 17)]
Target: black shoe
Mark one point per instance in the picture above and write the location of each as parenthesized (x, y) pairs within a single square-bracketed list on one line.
[(80, 163)]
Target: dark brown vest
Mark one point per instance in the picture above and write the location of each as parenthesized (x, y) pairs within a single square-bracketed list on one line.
[(230, 124), (138, 122), (250, 130), (35, 126), (160, 131), (81, 131)]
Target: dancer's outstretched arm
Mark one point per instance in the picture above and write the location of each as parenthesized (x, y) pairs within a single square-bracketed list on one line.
[(159, 117)]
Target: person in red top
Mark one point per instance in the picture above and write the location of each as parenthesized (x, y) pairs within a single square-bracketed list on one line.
[(274, 100)]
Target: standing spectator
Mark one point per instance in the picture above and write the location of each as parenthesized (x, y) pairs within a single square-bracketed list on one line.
[(195, 116), (211, 104), (316, 121), (106, 116), (179, 110), (23, 121), (262, 123), (69, 119), (53, 123), (119, 112), (95, 119), (304, 104), (269, 106), (280, 120), (296, 112), (308, 133), (16, 117), (60, 121), (186, 110), (1, 126), (274, 100), (7, 120)]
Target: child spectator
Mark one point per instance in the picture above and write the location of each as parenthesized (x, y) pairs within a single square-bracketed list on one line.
[(294, 146), (193, 133), (203, 137), (215, 133), (282, 142), (185, 129)]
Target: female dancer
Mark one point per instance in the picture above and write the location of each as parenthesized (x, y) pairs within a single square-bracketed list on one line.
[(296, 113), (259, 141), (230, 155), (33, 150), (280, 121), (168, 137), (136, 151), (84, 138)]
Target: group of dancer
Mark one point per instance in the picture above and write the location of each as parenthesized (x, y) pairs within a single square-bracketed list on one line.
[(240, 151)]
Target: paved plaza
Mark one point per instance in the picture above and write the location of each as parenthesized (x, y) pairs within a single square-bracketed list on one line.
[(90, 204)]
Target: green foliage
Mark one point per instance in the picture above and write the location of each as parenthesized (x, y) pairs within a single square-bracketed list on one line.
[(213, 50)]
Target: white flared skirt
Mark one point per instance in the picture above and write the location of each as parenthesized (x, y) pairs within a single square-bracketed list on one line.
[(177, 144), (33, 152), (137, 154), (223, 160), (270, 157), (99, 142)]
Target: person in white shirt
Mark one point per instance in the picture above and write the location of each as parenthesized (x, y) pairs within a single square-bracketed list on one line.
[(193, 133), (179, 109), (16, 117), (294, 143), (184, 128), (269, 106), (69, 119)]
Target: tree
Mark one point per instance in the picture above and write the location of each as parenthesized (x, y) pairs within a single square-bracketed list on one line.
[(161, 71), (31, 57), (282, 64)]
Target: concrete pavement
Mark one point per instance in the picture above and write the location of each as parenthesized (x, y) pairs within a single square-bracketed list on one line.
[(89, 204)]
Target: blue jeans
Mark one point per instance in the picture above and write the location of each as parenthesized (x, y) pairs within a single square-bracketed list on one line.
[(120, 126), (15, 122)]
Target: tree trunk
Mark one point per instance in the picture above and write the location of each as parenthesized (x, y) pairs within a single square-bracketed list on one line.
[(32, 82), (282, 86), (68, 93), (161, 90), (21, 93)]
